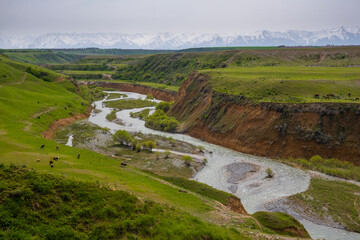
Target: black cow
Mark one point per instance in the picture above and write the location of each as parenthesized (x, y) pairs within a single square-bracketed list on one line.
[(123, 164), (42, 146)]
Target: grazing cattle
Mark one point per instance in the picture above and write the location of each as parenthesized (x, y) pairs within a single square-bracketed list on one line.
[(57, 147), (78, 156), (349, 94), (123, 164), (55, 158), (52, 165), (65, 108), (38, 160), (42, 146), (316, 96), (51, 162), (357, 99)]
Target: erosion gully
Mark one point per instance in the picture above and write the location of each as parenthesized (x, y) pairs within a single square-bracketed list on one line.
[(253, 188)]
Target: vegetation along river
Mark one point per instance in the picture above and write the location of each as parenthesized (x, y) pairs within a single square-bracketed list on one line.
[(223, 170)]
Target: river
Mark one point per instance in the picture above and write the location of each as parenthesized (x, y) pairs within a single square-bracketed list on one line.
[(254, 191)]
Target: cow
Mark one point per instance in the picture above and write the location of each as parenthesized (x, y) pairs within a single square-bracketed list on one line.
[(123, 164), (349, 94), (55, 158), (57, 147), (316, 96), (37, 160), (78, 156), (357, 99), (42, 146)]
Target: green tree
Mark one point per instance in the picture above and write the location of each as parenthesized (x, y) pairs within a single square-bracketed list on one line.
[(123, 137), (149, 145), (137, 147)]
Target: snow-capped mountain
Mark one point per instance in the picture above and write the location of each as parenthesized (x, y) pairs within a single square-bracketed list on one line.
[(336, 36)]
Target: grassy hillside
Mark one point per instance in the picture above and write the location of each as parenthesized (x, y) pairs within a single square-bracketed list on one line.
[(29, 105), (41, 57), (173, 68), (45, 206)]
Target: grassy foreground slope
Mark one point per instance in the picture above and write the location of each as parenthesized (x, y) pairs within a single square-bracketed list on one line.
[(29, 105), (45, 206)]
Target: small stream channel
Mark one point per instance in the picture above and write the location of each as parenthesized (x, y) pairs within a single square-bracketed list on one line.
[(254, 191)]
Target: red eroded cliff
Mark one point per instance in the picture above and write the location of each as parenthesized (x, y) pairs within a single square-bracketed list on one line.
[(275, 130)]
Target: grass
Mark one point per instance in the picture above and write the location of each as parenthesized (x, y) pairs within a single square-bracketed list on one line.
[(45, 206), (332, 167), (111, 116), (200, 188), (78, 72), (116, 95), (150, 84), (281, 223), (339, 200), (288, 84), (20, 140), (41, 57), (129, 104), (141, 114)]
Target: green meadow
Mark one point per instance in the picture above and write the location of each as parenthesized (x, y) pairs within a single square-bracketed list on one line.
[(288, 84)]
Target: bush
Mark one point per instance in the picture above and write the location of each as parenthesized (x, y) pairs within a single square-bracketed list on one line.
[(149, 145), (316, 159), (123, 137), (187, 160), (165, 106), (160, 121), (269, 173)]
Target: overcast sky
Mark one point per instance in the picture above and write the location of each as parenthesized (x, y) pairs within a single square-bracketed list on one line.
[(24, 17)]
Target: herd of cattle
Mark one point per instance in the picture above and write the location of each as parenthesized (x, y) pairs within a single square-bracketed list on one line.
[(51, 162)]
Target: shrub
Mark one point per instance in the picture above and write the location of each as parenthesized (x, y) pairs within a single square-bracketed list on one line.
[(123, 137), (269, 173), (187, 160), (149, 145), (160, 121), (167, 153), (137, 147), (165, 106), (316, 159)]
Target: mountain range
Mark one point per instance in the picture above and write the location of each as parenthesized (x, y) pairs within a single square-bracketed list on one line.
[(335, 36)]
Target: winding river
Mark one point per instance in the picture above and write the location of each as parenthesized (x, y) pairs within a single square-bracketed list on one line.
[(254, 191)]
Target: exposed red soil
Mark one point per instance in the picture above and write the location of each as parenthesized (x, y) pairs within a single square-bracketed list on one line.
[(235, 204), (57, 124), (269, 129)]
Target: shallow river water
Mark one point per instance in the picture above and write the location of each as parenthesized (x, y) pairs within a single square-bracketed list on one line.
[(254, 191)]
